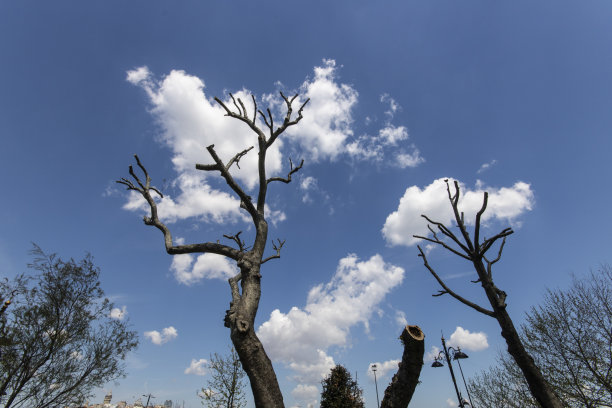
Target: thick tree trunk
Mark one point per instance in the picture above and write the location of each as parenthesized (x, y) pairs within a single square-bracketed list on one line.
[(257, 365), (399, 393), (240, 318), (539, 387)]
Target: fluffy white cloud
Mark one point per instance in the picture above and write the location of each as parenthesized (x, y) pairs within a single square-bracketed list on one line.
[(506, 204), (191, 121), (468, 341), (197, 367), (167, 334), (306, 393), (206, 266), (308, 185), (327, 117), (118, 314), (400, 318), (382, 369), (301, 337), (196, 199), (432, 353)]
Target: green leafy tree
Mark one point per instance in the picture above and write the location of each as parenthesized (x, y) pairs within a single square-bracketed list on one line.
[(570, 337), (225, 389), (340, 390), (59, 341)]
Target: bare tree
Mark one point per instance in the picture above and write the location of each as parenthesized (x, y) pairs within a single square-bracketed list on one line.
[(570, 336), (474, 251), (225, 389), (240, 317)]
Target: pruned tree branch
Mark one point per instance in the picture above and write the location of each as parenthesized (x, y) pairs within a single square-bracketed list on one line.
[(459, 217), (487, 243), (145, 191), (291, 171), (277, 246), (287, 121), (236, 238), (490, 263), (443, 229), (450, 291), (243, 116), (478, 215)]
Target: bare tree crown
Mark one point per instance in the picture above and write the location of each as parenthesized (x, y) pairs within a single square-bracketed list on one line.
[(470, 249), (257, 210)]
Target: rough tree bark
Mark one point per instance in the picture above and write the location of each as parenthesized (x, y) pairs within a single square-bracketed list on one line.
[(475, 252), (399, 392), (240, 317)]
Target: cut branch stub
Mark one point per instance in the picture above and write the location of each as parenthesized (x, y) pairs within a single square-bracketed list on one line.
[(399, 392)]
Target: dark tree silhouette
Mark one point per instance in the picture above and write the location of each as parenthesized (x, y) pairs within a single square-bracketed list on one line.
[(340, 390), (225, 388), (399, 392), (245, 286), (474, 251)]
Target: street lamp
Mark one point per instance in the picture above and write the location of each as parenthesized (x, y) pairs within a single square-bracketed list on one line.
[(376, 384), (456, 354), (148, 399)]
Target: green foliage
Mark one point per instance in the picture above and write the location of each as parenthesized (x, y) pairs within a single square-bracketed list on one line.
[(570, 338), (340, 391), (225, 389), (58, 339)]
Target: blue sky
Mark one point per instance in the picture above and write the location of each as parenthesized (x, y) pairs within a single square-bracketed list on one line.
[(509, 97)]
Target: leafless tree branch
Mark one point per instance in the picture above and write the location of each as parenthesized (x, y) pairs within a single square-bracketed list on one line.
[(291, 171), (478, 215), (287, 121), (277, 246), (145, 190), (458, 217), (446, 232), (450, 291), (437, 241), (487, 243), (236, 238), (243, 116)]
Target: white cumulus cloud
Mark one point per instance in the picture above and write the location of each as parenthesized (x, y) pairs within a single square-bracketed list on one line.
[(389, 367), (309, 394), (400, 318), (197, 367), (118, 314), (190, 121), (301, 337), (206, 266), (167, 334), (505, 204), (328, 118), (468, 341)]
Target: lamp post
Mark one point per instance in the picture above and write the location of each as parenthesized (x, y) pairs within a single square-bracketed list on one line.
[(455, 354), (148, 399), (374, 367)]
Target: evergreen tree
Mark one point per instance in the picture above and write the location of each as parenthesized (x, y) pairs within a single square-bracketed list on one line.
[(340, 391)]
